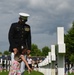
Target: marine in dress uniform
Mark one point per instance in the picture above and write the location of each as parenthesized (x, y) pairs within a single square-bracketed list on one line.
[(20, 36)]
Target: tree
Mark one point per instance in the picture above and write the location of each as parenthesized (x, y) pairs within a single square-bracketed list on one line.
[(69, 40), (6, 53), (0, 53), (45, 51), (37, 52), (34, 50), (72, 58)]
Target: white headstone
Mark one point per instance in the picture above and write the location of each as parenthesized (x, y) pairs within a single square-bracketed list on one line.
[(53, 52), (0, 61), (60, 35), (49, 57), (61, 48)]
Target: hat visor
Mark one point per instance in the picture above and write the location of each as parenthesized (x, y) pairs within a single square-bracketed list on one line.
[(23, 18)]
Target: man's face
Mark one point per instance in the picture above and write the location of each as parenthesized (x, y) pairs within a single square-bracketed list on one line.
[(23, 19)]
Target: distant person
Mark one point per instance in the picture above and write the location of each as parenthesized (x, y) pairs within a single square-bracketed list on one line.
[(29, 60), (37, 63), (19, 37), (3, 65), (18, 58)]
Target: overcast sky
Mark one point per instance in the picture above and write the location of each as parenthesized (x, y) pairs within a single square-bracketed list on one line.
[(45, 17)]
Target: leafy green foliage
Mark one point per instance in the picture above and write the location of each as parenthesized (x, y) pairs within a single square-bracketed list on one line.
[(6, 53), (35, 51), (69, 40), (45, 51), (72, 58), (0, 53)]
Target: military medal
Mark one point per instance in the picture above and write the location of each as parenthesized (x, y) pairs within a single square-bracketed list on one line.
[(27, 29)]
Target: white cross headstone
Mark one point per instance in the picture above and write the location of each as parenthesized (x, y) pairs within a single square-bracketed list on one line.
[(53, 56), (61, 50)]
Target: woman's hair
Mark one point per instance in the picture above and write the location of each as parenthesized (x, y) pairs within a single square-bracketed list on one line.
[(21, 51)]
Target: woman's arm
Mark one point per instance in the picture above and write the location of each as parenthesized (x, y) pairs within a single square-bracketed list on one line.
[(23, 59)]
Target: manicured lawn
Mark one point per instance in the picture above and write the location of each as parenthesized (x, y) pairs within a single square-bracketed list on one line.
[(34, 73), (71, 74), (3, 73), (26, 73)]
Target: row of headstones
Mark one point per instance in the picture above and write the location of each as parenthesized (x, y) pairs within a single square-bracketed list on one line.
[(47, 67), (4, 65)]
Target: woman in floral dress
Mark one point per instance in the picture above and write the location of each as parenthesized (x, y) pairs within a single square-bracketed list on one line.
[(15, 65)]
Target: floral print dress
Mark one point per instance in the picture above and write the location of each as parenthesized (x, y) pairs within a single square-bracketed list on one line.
[(15, 67)]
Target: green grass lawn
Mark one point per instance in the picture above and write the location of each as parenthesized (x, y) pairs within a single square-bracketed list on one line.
[(71, 74), (25, 73)]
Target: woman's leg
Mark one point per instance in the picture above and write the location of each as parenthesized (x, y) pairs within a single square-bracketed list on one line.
[(22, 68)]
